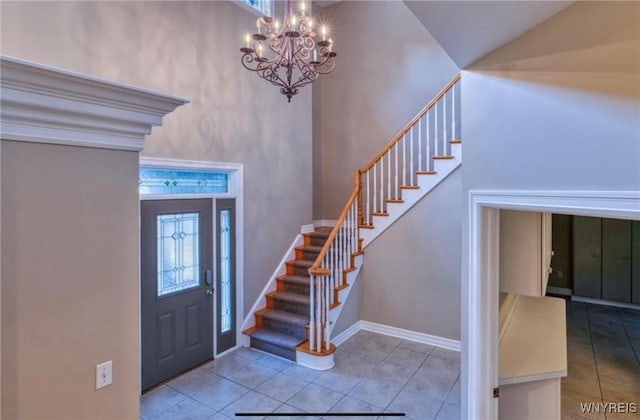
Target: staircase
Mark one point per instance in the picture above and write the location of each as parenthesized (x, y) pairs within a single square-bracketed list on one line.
[(282, 325), (302, 310)]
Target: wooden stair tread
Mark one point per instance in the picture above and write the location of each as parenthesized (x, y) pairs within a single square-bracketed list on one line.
[(426, 172), (295, 278), (318, 234), (379, 213), (455, 141), (444, 157), (409, 187), (309, 248), (366, 226), (276, 338), (394, 200), (285, 317), (291, 297), (301, 263)]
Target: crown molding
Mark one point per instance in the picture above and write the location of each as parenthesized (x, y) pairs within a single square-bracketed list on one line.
[(44, 104)]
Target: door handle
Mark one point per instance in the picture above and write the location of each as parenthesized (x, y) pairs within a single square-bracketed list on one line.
[(208, 277), (209, 292)]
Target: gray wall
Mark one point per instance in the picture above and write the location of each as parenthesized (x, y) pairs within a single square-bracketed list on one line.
[(417, 287), (558, 108), (389, 67), (351, 312), (70, 289), (191, 49)]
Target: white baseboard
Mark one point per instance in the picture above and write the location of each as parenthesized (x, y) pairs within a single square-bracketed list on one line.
[(324, 222), (605, 302), (560, 291), (418, 337), (346, 334)]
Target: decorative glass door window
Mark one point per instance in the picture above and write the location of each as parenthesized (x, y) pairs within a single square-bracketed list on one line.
[(178, 252), (225, 270), (181, 181)]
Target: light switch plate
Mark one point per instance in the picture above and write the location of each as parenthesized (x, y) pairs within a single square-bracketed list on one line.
[(104, 374)]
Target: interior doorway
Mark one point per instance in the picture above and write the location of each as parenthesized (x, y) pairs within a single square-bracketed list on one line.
[(481, 282)]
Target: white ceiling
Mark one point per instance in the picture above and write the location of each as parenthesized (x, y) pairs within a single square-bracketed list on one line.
[(469, 30)]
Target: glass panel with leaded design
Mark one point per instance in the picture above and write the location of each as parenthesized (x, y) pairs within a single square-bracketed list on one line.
[(178, 252), (225, 269)]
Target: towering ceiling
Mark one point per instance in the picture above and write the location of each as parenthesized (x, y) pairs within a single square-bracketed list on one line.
[(469, 30)]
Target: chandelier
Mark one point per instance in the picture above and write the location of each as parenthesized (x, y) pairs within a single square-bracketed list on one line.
[(288, 55)]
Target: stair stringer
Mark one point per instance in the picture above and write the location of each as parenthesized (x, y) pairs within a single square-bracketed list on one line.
[(343, 294), (411, 197), (271, 286)]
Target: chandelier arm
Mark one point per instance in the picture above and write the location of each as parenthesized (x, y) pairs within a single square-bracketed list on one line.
[(269, 74), (308, 76), (246, 59)]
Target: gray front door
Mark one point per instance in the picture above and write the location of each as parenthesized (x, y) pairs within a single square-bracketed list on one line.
[(177, 287)]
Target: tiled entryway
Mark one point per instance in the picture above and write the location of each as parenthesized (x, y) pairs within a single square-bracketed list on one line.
[(603, 353), (373, 373)]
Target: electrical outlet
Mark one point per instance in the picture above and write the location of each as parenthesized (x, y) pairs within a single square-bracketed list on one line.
[(560, 274), (104, 374)]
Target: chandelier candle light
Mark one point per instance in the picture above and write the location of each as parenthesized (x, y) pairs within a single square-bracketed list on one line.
[(288, 55)]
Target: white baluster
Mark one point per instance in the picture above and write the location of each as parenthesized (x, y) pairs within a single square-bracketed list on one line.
[(336, 268), (411, 173), (445, 139), (404, 159), (340, 265), (312, 310), (420, 144), (435, 130), (396, 183), (326, 320), (428, 160), (453, 111), (354, 233), (382, 183), (389, 174), (375, 188), (368, 212)]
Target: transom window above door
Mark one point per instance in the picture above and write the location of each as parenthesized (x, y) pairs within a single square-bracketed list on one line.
[(160, 181)]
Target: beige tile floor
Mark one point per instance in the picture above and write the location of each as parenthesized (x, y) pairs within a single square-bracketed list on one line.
[(603, 354), (373, 373)]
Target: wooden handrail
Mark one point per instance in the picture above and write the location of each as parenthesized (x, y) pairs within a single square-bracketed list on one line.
[(411, 123), (315, 267)]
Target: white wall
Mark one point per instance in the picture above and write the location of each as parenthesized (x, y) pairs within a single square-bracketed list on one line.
[(191, 49)]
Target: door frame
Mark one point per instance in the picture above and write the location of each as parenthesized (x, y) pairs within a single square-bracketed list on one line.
[(235, 172), (480, 285)]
